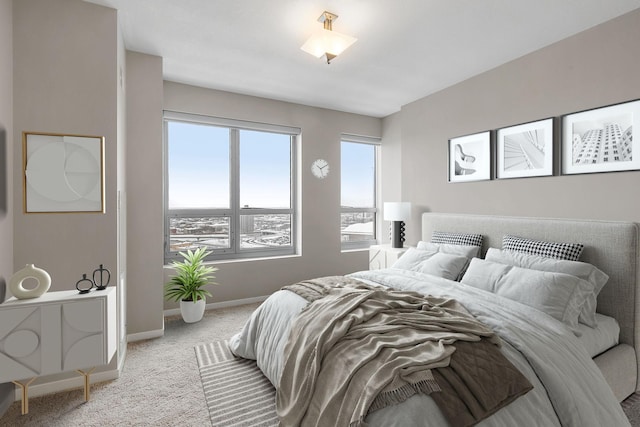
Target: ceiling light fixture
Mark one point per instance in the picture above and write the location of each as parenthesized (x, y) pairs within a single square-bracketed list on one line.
[(326, 41)]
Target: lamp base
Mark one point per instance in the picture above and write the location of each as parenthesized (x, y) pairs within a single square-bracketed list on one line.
[(397, 234)]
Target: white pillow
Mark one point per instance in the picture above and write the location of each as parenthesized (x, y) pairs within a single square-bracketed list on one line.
[(435, 263), (557, 294), (582, 270), (449, 248), (412, 258)]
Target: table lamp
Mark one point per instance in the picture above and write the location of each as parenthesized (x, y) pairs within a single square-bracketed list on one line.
[(397, 213)]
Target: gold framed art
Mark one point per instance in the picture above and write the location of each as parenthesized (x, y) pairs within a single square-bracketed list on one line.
[(63, 173)]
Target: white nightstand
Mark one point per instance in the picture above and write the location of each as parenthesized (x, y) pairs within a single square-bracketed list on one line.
[(57, 332), (383, 256)]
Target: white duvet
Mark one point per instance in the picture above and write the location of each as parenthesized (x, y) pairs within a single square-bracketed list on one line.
[(569, 389)]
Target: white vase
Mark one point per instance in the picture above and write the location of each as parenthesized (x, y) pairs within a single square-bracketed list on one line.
[(30, 271), (192, 311)]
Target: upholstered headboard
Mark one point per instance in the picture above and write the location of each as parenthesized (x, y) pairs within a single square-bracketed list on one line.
[(611, 246)]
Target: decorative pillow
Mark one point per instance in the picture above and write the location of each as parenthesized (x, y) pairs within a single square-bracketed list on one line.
[(567, 251), (582, 270), (559, 295), (457, 238), (435, 263)]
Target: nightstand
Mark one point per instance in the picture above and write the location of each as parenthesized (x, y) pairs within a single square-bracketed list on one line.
[(383, 256)]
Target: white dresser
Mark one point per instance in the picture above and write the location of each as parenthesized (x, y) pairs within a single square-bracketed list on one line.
[(57, 332), (383, 256)]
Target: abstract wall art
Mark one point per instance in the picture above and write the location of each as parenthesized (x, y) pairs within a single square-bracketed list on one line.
[(63, 173)]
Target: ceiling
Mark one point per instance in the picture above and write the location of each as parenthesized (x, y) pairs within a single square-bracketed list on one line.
[(406, 49)]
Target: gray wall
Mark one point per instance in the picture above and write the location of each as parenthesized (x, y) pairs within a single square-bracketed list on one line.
[(595, 68), (320, 199), (144, 193), (6, 164), (67, 57)]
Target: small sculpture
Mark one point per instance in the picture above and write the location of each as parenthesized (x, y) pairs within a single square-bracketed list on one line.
[(30, 271), (99, 281), (84, 285)]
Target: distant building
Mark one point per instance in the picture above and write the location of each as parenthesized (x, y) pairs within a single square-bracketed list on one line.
[(247, 224), (358, 231)]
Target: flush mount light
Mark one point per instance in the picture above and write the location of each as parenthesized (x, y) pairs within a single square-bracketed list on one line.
[(326, 41)]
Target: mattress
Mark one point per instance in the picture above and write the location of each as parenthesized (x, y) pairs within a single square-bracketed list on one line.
[(601, 338)]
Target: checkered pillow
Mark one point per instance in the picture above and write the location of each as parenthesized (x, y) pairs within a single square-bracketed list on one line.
[(567, 251), (456, 238)]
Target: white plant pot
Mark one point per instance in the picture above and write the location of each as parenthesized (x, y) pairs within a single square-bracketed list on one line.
[(192, 311)]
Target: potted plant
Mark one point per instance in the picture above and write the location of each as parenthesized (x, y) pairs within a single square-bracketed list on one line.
[(187, 285)]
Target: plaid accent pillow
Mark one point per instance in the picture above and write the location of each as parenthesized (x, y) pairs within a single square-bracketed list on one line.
[(457, 238), (567, 251)]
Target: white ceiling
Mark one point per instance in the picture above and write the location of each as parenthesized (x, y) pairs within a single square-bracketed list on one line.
[(406, 49)]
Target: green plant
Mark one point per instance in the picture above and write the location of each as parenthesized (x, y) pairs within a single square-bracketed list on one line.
[(190, 278)]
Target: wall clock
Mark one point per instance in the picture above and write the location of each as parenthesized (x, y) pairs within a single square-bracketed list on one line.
[(320, 168)]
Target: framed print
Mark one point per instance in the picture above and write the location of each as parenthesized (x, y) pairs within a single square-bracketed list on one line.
[(63, 173), (525, 150), (602, 140), (470, 157)]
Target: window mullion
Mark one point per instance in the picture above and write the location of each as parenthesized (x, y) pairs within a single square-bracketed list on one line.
[(234, 140)]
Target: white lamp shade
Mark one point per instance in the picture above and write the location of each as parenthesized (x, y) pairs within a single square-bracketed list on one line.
[(397, 211), (326, 41)]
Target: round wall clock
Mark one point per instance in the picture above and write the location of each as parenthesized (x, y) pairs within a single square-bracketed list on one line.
[(320, 168)]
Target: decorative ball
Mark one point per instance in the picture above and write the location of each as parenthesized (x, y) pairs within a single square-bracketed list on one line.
[(30, 271)]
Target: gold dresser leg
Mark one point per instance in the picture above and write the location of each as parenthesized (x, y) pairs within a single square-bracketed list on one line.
[(86, 375), (24, 387)]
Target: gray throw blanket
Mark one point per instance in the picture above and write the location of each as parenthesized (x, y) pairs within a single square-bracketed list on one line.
[(357, 348)]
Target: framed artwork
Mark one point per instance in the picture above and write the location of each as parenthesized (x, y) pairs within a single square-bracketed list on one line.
[(602, 140), (525, 150), (470, 157), (63, 173)]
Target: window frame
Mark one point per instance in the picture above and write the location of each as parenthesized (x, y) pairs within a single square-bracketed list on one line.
[(376, 143), (234, 211)]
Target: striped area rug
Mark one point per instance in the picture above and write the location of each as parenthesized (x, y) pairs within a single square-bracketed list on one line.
[(236, 391)]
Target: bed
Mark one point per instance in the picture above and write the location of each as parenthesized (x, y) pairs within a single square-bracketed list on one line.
[(568, 387)]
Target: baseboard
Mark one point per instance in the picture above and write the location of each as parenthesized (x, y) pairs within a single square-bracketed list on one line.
[(224, 304), (140, 336), (147, 335), (66, 384)]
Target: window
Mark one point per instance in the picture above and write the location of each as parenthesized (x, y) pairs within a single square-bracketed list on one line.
[(358, 172), (229, 187)]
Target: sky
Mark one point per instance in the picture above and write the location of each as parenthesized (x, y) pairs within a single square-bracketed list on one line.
[(199, 167), (358, 175), (199, 171)]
